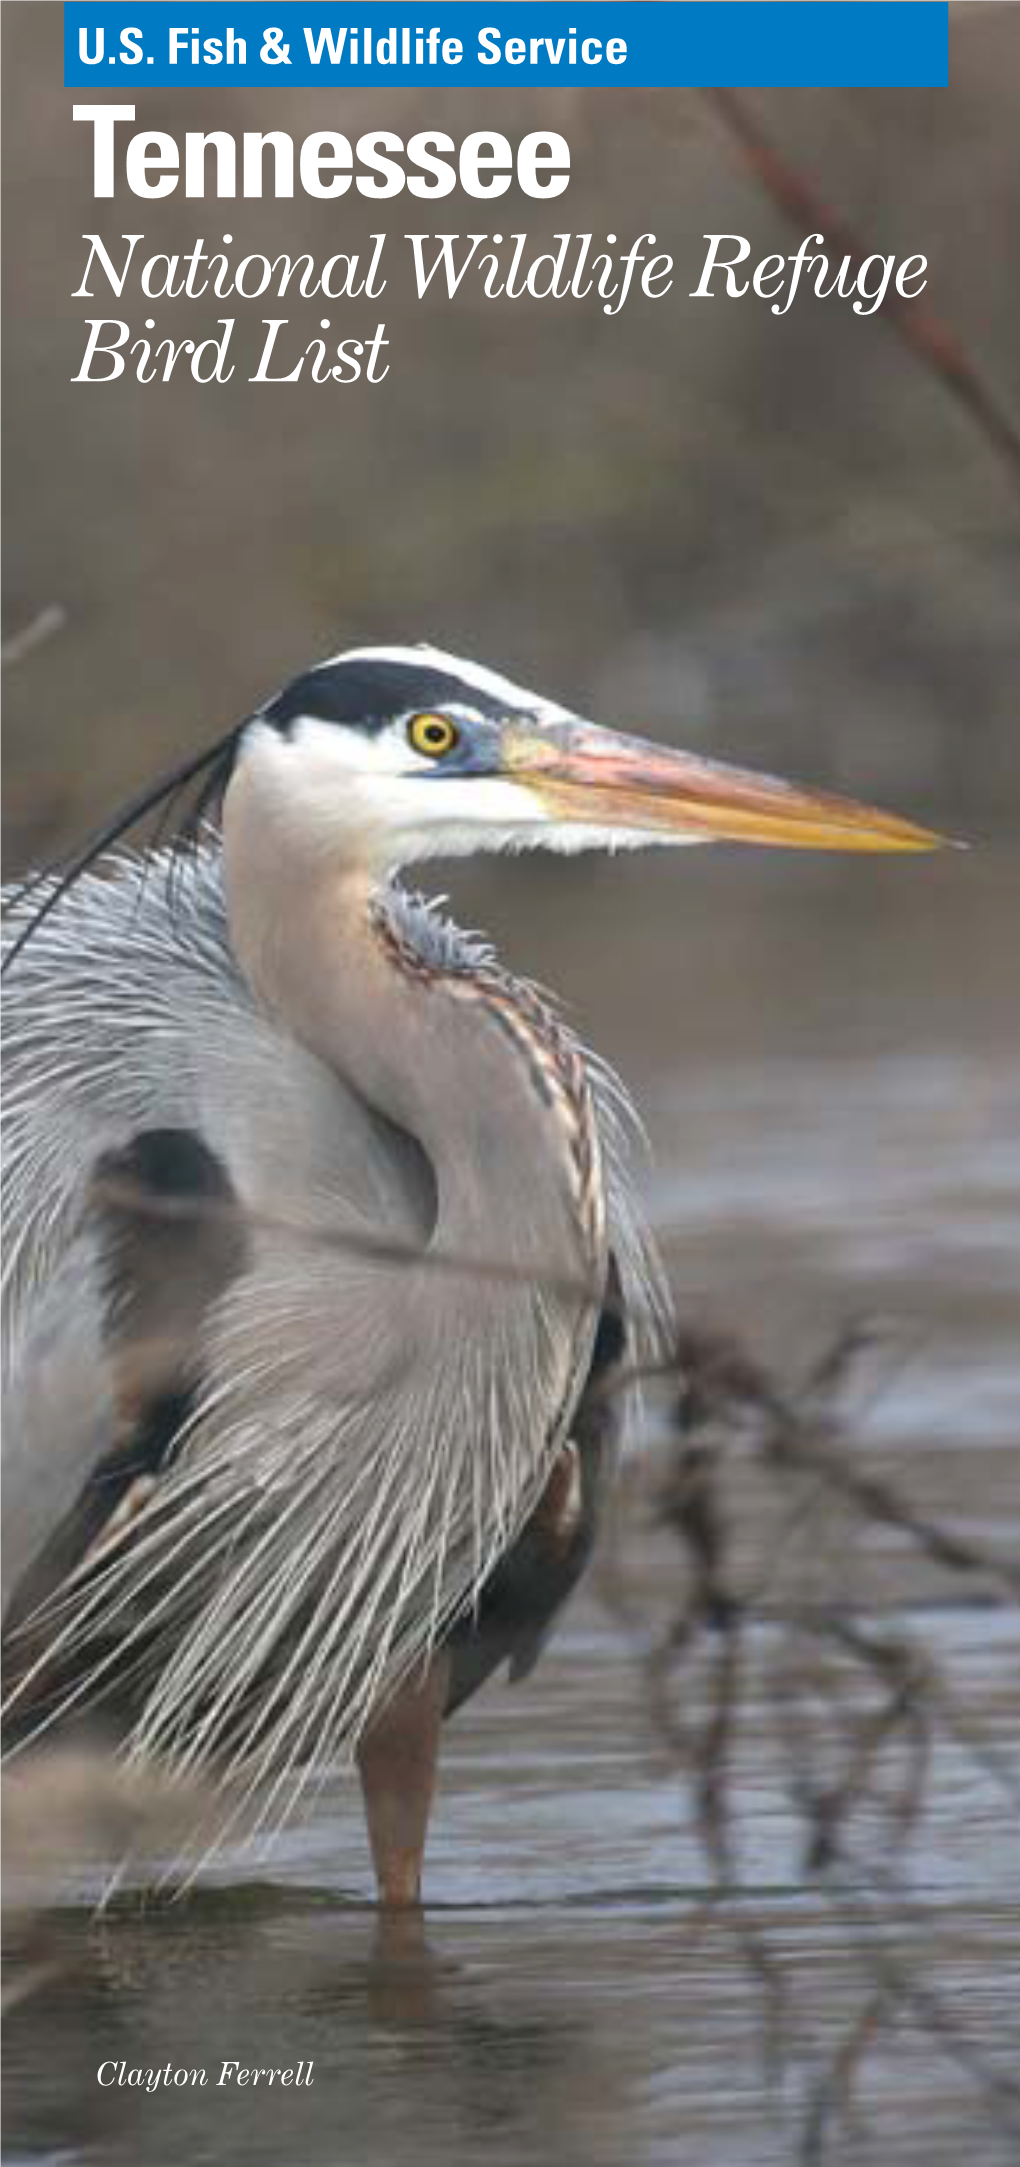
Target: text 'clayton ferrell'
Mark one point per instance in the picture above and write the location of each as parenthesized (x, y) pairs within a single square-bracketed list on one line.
[(154, 2080)]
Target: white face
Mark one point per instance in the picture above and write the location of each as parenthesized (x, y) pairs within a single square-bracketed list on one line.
[(385, 803), (380, 800)]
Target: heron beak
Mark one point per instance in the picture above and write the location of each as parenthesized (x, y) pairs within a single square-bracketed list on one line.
[(584, 773)]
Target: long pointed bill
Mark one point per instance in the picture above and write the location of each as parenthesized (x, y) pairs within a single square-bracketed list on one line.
[(584, 773)]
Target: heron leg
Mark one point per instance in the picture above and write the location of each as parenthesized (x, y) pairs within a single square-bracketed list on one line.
[(397, 1761)]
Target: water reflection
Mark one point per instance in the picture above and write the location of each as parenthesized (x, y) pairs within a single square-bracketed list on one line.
[(529, 2036)]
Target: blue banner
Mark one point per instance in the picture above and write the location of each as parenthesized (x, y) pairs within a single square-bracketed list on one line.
[(640, 44)]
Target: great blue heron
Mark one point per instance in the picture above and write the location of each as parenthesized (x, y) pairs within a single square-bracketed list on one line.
[(321, 1247)]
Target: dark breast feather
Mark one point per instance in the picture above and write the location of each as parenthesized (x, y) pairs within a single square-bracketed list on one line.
[(520, 1600)]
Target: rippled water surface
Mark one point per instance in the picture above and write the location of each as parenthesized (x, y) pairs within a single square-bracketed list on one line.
[(828, 1066)]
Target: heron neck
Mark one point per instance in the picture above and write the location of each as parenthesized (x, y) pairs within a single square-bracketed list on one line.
[(447, 1056)]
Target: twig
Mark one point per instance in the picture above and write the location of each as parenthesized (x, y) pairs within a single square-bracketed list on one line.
[(41, 628)]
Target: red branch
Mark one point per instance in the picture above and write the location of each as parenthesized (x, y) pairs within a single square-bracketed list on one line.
[(920, 331)]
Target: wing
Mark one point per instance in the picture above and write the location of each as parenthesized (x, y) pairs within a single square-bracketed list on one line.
[(136, 1060), (101, 1386)]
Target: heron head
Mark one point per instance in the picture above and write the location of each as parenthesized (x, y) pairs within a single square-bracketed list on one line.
[(409, 753)]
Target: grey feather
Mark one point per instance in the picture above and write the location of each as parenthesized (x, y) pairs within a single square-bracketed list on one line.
[(370, 1432), (58, 1413)]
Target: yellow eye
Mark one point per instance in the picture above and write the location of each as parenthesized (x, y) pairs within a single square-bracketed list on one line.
[(432, 735)]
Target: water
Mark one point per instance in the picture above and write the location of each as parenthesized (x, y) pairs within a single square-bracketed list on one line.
[(827, 1060)]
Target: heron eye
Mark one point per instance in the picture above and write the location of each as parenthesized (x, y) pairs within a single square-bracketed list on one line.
[(432, 735)]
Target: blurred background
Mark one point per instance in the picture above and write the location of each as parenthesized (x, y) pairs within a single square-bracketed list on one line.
[(775, 539), (773, 535)]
